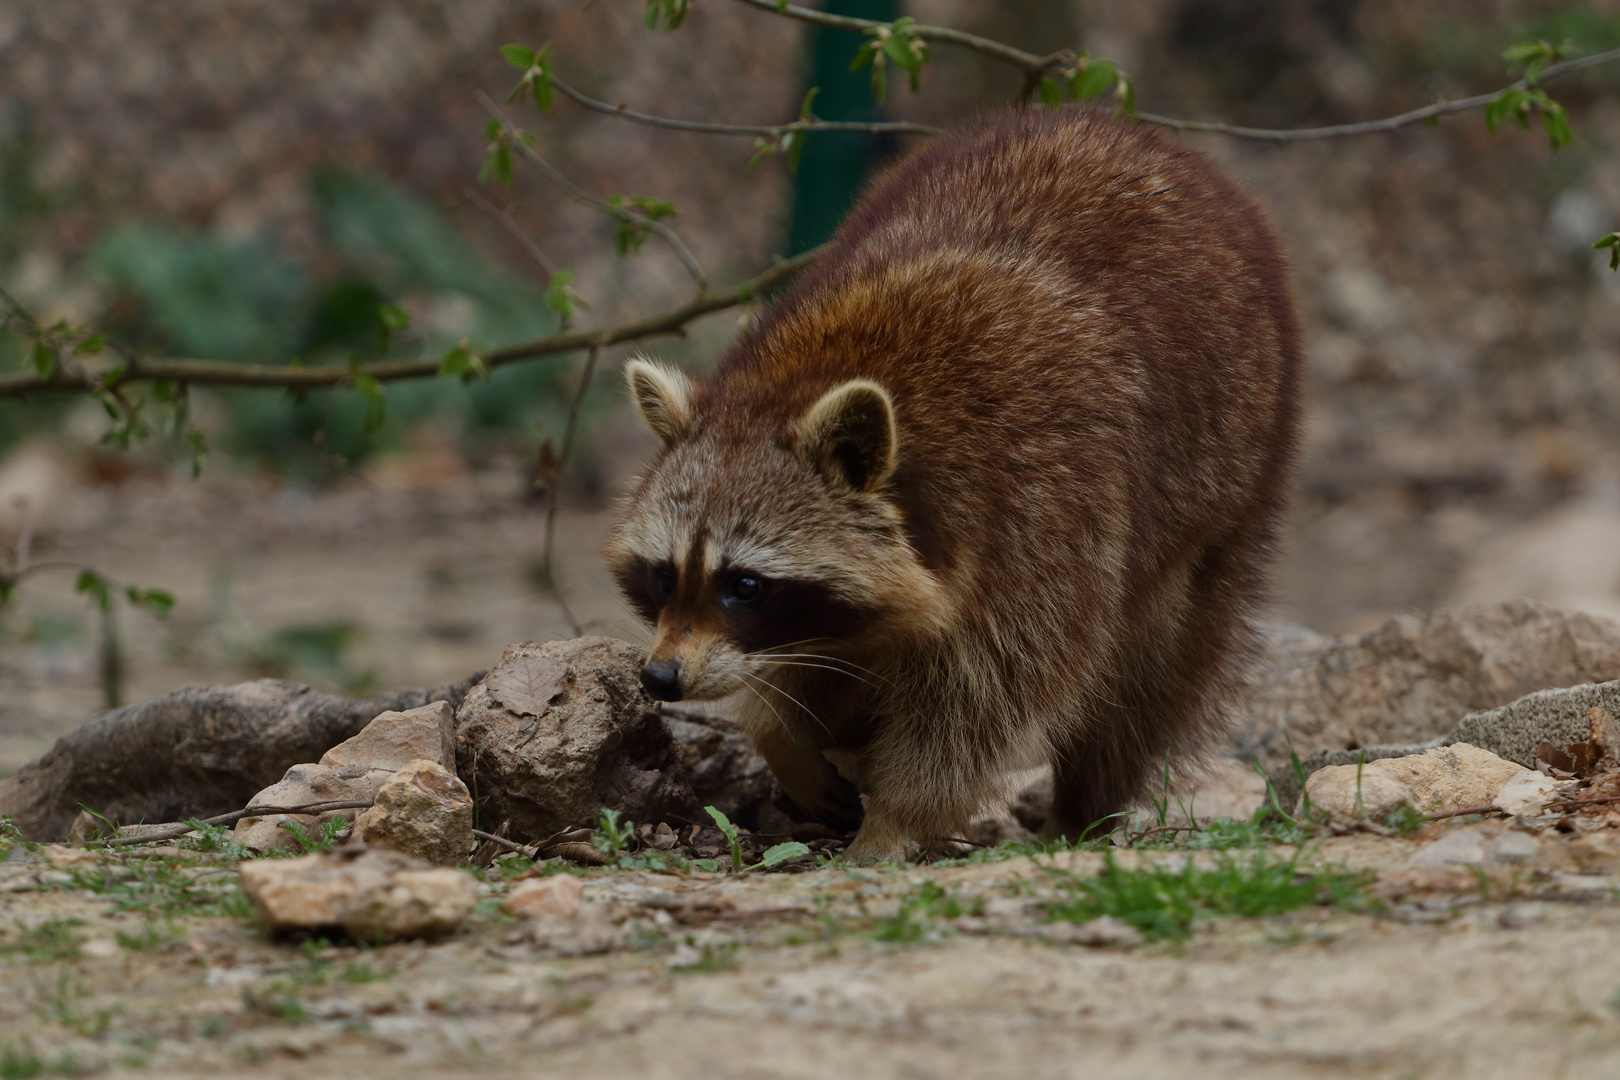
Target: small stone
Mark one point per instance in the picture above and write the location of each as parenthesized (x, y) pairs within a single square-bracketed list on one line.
[(1443, 780), (593, 930), (1104, 930), (100, 948), (663, 838), (1528, 793), (395, 739), (557, 897), (1596, 852), (1478, 845), (1344, 792), (301, 786), (370, 893), (422, 810)]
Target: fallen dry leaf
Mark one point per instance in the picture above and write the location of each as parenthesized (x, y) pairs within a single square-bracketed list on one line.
[(529, 686)]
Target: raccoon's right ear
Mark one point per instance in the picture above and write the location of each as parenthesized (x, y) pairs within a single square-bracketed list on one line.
[(663, 396)]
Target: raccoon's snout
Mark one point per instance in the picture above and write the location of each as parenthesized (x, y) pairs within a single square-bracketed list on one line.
[(662, 678)]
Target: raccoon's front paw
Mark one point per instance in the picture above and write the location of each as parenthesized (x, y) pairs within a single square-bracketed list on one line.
[(878, 842)]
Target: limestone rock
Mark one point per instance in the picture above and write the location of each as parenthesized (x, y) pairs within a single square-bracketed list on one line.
[(422, 810), (370, 893), (600, 742), (1335, 790), (394, 740), (557, 897), (353, 770), (1438, 781), (1478, 845), (304, 784), (1414, 678), (1528, 793)]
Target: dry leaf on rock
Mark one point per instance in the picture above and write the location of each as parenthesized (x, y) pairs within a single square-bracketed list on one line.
[(527, 685)]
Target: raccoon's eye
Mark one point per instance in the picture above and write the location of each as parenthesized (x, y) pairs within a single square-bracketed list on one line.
[(664, 580), (746, 588)]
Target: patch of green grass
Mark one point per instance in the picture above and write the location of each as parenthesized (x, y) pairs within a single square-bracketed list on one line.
[(1224, 834), (61, 1003), (363, 972), (278, 1001), (12, 837), (20, 1061), (714, 958), (50, 941), (1168, 902), (151, 938), (325, 837), (165, 887), (918, 916)]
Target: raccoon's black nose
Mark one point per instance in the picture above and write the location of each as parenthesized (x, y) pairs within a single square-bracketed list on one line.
[(662, 678)]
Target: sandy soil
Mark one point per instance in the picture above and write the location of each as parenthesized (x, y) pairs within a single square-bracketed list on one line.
[(1447, 986)]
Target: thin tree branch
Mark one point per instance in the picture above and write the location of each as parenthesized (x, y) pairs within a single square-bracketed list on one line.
[(1028, 62), (512, 227), (131, 368), (1370, 127), (1036, 66), (898, 127), (578, 194)]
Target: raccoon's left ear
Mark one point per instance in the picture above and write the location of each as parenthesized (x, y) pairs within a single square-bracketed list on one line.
[(849, 434)]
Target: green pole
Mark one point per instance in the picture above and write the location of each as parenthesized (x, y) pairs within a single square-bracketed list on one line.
[(835, 164)]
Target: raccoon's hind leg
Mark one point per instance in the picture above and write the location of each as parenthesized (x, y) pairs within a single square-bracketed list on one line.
[(1167, 700)]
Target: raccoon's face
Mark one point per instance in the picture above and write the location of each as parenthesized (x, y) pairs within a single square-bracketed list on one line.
[(749, 549)]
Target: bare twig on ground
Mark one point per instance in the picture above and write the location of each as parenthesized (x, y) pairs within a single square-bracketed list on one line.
[(1464, 812), (176, 831), (579, 194), (79, 375)]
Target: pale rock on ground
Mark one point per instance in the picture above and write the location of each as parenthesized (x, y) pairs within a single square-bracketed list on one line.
[(353, 770), (371, 893), (1438, 781), (1479, 845), (557, 896), (422, 810)]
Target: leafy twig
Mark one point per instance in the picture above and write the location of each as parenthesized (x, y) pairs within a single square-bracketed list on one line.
[(893, 127), (228, 373), (521, 142)]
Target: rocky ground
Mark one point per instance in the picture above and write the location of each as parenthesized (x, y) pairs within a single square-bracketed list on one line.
[(1507, 972)]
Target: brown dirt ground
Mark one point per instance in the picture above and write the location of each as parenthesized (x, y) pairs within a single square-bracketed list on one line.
[(1509, 985)]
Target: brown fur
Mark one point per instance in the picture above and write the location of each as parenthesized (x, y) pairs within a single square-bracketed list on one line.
[(1037, 523)]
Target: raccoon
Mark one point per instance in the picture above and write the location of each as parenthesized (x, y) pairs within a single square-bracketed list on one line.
[(997, 482)]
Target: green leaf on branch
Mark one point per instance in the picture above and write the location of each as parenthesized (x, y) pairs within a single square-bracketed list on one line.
[(199, 451), (464, 364), (158, 601), (43, 358), (497, 164), (1612, 243), (391, 318), (631, 234), (673, 13), (1051, 93), (1533, 57), (561, 296), (1518, 105), (1092, 77), (94, 586), (90, 346), (896, 43), (1125, 97), (376, 410), (536, 67)]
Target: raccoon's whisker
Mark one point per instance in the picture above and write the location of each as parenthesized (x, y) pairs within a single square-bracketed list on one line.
[(796, 701), (773, 657), (800, 663), (763, 701)]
